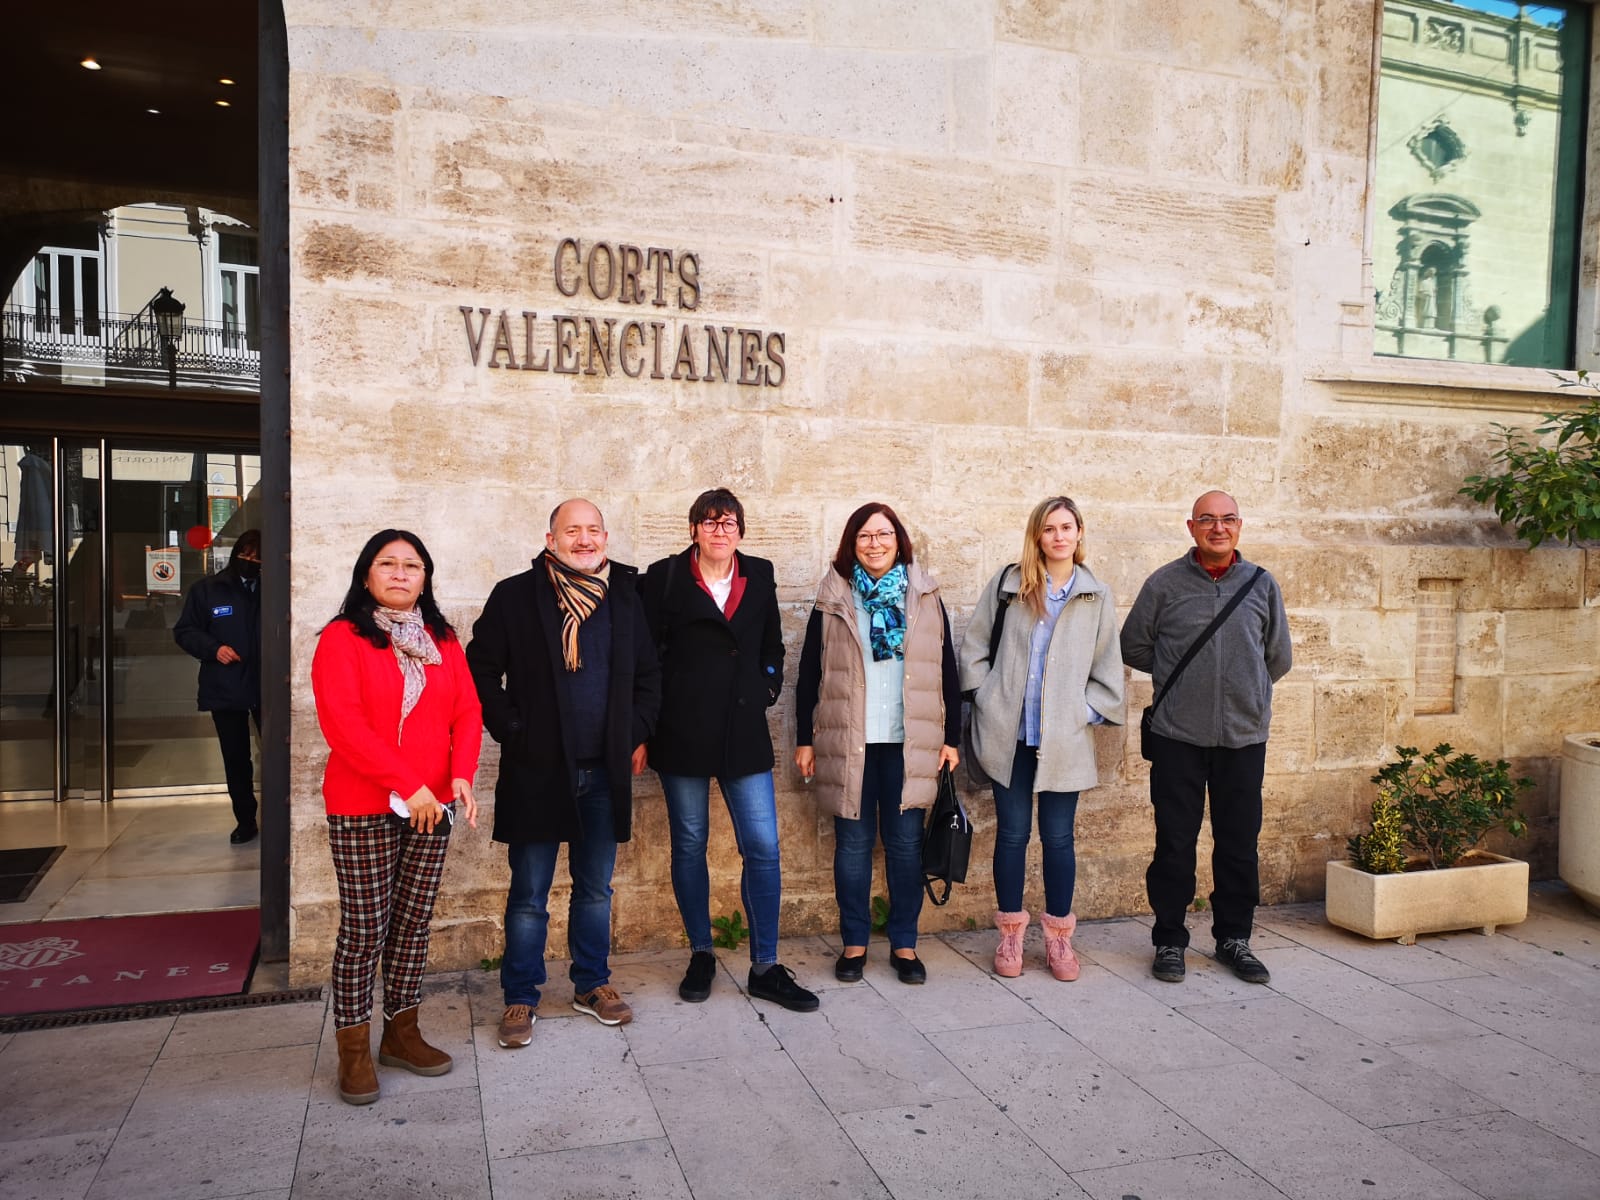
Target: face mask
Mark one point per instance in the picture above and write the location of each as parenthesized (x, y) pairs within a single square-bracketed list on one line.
[(248, 571)]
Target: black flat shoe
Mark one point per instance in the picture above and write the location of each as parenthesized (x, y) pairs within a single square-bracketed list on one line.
[(910, 969), (696, 985), (847, 969), (243, 834)]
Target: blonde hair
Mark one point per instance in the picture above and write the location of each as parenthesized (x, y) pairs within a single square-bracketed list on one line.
[(1031, 564)]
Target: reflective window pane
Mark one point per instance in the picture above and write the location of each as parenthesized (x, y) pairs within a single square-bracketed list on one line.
[(1478, 188)]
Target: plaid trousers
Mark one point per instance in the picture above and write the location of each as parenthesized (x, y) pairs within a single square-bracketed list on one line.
[(388, 877)]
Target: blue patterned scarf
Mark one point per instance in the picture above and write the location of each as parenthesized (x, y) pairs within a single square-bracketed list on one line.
[(885, 602)]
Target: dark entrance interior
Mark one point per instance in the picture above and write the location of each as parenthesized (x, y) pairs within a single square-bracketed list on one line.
[(180, 114)]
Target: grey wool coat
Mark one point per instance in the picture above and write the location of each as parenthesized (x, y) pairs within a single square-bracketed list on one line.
[(1082, 666)]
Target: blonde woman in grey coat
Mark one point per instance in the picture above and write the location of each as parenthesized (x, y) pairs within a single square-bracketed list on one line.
[(1057, 671)]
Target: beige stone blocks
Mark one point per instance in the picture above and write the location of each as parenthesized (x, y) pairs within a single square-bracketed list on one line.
[(1177, 235), (944, 383), (1036, 105), (1351, 720), (954, 210)]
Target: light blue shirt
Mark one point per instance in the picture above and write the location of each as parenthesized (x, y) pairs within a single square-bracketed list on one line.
[(886, 685), (1038, 650)]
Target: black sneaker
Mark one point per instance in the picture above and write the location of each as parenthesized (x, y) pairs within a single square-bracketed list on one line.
[(777, 984), (1168, 966), (242, 834), (848, 968), (696, 985), (1235, 953)]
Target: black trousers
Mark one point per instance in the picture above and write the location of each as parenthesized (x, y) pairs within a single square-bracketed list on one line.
[(1181, 775), (233, 735)]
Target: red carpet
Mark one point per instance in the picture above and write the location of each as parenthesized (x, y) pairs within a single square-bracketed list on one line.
[(54, 966)]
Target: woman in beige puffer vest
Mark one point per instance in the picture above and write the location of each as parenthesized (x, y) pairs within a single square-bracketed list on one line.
[(878, 713)]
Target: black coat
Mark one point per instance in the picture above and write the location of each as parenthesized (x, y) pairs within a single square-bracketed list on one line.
[(515, 658), (718, 675), (221, 611)]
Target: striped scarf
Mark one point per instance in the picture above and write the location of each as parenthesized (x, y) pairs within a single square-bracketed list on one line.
[(413, 650), (577, 596)]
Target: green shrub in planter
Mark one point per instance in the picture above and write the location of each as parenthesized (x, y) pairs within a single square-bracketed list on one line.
[(1439, 806), (1547, 487)]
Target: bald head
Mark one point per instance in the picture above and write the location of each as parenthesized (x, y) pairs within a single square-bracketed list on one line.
[(578, 535), (1214, 525)]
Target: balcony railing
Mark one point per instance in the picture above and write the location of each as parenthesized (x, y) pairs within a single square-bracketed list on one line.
[(118, 348)]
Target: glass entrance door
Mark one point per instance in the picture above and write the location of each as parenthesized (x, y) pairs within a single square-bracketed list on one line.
[(99, 543), (175, 514)]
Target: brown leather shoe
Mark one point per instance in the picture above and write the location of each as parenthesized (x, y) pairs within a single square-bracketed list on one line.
[(358, 1082), (403, 1046)]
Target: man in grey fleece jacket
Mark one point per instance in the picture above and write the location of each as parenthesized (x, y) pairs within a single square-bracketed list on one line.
[(1210, 733)]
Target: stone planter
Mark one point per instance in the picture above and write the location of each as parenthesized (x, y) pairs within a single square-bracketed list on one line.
[(1579, 846), (1493, 892)]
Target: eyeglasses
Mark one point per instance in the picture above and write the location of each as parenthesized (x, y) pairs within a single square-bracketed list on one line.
[(726, 525), (1207, 521), (398, 566), (867, 538)]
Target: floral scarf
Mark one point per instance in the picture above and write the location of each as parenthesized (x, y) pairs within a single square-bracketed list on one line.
[(885, 602), (413, 650)]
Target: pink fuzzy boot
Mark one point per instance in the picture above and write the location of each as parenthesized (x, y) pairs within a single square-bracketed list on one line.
[(1008, 954), (1058, 933)]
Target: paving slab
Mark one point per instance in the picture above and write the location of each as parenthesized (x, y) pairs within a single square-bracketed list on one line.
[(1306, 925), (424, 1146), (1123, 1024), (236, 1029), (1213, 1176), (76, 1079), (750, 1124), (1383, 1012), (57, 1167), (1564, 1027), (665, 1028), (1531, 963), (643, 1170), (1502, 1157), (212, 1125), (959, 993), (956, 1149), (1075, 1107), (575, 1085), (1299, 1144), (857, 1052), (1370, 1082), (1519, 1079)]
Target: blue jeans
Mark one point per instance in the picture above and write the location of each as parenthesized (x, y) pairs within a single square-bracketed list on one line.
[(882, 778), (1013, 812), (754, 813), (533, 867)]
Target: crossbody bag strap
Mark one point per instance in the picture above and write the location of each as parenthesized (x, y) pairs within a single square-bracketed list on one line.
[(1199, 642), (1003, 601)]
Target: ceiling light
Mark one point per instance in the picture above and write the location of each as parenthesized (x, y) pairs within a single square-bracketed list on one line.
[(226, 82), (89, 64), (223, 104), (156, 112)]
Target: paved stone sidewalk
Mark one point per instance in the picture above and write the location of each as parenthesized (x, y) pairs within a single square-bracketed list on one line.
[(1463, 1066)]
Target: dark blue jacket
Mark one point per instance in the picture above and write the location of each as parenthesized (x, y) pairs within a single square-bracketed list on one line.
[(221, 611)]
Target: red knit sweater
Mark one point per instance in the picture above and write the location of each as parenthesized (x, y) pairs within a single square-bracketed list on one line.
[(358, 691)]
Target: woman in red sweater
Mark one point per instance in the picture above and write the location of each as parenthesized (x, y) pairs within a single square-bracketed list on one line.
[(401, 717)]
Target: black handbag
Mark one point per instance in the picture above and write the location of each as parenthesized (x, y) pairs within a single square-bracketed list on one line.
[(947, 842), (976, 775), (1146, 720)]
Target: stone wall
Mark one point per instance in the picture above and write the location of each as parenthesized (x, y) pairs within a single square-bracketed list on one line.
[(1013, 248)]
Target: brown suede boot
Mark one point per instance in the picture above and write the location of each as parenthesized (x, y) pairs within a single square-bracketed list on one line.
[(358, 1082), (402, 1046)]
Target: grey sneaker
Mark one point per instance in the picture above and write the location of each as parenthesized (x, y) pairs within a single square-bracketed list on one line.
[(516, 1026), (1235, 953), (1168, 966)]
